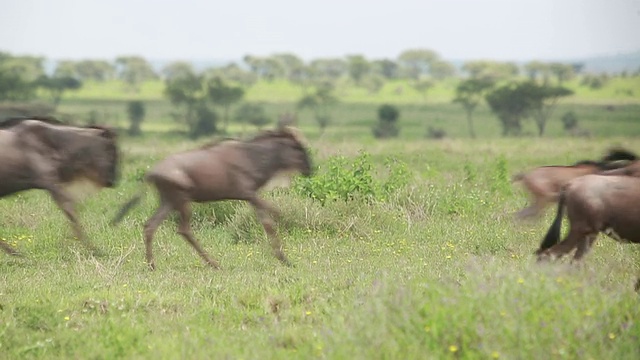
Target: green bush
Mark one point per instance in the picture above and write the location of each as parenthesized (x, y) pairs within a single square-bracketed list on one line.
[(387, 122), (344, 179)]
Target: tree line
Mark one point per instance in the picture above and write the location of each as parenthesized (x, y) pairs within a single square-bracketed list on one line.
[(198, 94)]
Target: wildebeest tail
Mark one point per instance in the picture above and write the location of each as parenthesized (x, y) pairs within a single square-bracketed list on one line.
[(553, 235), (128, 206)]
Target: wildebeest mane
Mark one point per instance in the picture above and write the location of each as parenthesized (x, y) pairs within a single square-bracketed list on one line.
[(284, 133), (619, 154)]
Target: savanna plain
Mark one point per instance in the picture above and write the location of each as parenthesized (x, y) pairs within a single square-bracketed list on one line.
[(403, 248)]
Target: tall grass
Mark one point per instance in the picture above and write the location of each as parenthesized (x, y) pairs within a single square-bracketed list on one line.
[(435, 268)]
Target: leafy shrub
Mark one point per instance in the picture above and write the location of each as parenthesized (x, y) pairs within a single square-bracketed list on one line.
[(435, 133), (387, 122), (253, 114), (206, 122), (135, 111), (345, 179), (569, 120)]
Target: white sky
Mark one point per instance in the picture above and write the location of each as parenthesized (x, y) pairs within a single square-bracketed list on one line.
[(214, 29)]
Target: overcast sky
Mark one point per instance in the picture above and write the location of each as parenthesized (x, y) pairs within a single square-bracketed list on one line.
[(213, 29)]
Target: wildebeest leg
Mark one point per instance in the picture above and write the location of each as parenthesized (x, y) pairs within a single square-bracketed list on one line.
[(65, 202), (567, 245), (184, 229), (584, 246), (531, 211), (262, 209), (8, 249), (150, 228)]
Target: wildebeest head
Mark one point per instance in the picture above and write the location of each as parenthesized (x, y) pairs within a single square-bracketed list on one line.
[(294, 154), (290, 152)]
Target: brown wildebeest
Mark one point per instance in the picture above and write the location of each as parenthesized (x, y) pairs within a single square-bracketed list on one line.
[(45, 154), (544, 183), (595, 203), (227, 170)]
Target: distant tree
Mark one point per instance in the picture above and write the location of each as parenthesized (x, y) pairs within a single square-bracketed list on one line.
[(95, 70), (441, 69), (535, 68), (493, 70), (320, 103), (233, 74), (328, 69), (177, 69), (469, 93), (187, 93), (14, 84), (385, 67), (223, 95), (511, 105), (135, 112), (387, 122), (207, 121), (542, 101), (66, 68), (134, 70), (253, 114), (561, 71), (267, 68), (417, 62), (27, 68), (358, 67), (514, 102), (292, 66), (56, 86)]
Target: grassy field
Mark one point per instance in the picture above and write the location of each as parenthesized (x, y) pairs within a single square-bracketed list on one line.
[(430, 264), (432, 267)]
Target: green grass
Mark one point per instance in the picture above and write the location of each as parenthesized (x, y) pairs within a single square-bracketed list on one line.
[(439, 269)]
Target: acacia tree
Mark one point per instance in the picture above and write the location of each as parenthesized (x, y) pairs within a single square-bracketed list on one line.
[(417, 62), (251, 113), (469, 93), (233, 74), (319, 102), (223, 95), (542, 102), (177, 69), (134, 70), (510, 104), (358, 68), (187, 92), (56, 86), (514, 102), (14, 85)]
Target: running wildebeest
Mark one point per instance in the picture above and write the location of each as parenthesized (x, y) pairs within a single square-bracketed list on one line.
[(226, 170), (42, 153), (544, 183), (595, 203)]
